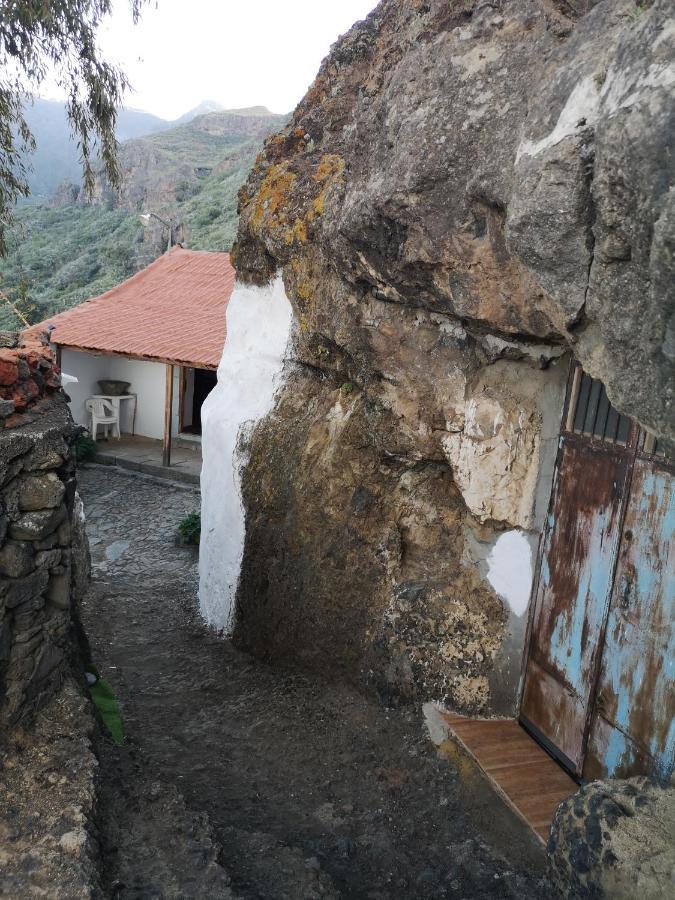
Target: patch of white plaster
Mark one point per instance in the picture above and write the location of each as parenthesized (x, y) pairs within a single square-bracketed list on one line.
[(250, 373), (436, 725), (495, 458), (588, 102), (78, 508), (510, 569), (499, 347), (582, 103)]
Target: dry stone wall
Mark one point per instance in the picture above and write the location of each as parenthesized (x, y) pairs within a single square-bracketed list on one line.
[(43, 553)]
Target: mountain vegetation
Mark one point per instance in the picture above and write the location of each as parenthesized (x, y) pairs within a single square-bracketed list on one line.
[(57, 41), (56, 157), (69, 249)]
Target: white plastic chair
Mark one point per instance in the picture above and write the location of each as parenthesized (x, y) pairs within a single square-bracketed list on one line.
[(102, 412)]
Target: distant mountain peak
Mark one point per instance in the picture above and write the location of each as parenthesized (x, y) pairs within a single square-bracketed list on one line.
[(249, 111), (206, 106)]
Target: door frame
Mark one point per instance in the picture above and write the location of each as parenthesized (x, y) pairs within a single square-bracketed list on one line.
[(636, 439)]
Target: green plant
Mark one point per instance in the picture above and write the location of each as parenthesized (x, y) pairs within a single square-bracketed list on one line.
[(85, 447), (347, 387), (104, 700), (190, 528), (640, 7)]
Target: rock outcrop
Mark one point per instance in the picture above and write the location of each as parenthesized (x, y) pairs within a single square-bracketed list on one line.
[(160, 170), (468, 192), (614, 840)]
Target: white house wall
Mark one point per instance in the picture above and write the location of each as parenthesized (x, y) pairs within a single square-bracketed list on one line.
[(147, 381)]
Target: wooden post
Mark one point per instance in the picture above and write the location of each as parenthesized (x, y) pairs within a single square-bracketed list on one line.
[(181, 398), (168, 415)]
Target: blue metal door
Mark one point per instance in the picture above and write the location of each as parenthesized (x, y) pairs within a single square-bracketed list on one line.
[(598, 686), (633, 725)]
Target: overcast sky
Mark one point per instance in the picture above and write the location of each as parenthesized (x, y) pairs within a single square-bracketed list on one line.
[(237, 52)]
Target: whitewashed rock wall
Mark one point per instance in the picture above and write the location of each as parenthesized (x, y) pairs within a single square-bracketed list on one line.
[(250, 373)]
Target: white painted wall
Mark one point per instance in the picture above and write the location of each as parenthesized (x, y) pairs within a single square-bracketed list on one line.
[(250, 373), (510, 569), (147, 381)]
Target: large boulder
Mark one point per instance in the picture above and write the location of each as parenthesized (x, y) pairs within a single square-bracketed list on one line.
[(614, 840), (500, 165), (467, 192)]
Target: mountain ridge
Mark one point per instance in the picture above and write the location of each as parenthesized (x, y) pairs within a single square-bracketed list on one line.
[(70, 248), (56, 157)]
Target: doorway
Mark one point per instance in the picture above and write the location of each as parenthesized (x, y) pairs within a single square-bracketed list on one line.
[(598, 685), (196, 385)]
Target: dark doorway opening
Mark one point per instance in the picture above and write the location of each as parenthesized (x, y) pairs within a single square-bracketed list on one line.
[(197, 385)]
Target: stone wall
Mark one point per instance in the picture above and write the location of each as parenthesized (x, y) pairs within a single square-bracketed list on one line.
[(43, 557)]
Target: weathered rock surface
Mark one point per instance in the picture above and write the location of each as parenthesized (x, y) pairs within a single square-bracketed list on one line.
[(614, 839), (48, 845), (466, 193), (470, 161)]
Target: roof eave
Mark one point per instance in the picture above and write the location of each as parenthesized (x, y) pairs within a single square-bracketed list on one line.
[(190, 363)]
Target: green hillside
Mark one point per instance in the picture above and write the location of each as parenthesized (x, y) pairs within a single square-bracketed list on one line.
[(61, 255), (56, 156)]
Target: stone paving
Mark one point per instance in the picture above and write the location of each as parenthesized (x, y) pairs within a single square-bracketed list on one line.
[(290, 786), (132, 524)]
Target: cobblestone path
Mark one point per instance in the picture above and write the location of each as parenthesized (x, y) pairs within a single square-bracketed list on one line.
[(239, 779)]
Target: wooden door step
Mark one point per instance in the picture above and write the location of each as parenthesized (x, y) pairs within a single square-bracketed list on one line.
[(522, 773)]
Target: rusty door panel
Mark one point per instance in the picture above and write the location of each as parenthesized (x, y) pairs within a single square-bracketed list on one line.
[(577, 560), (607, 742), (553, 712), (635, 706)]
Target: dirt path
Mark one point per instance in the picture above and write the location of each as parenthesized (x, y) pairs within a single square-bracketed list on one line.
[(295, 787)]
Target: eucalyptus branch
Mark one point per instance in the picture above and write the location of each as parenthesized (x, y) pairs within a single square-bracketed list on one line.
[(58, 37)]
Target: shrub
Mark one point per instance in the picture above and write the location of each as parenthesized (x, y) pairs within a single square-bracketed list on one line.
[(190, 528), (85, 447)]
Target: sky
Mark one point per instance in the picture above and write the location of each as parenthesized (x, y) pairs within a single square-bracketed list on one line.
[(239, 53)]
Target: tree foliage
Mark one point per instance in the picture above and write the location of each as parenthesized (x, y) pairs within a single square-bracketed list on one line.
[(56, 39)]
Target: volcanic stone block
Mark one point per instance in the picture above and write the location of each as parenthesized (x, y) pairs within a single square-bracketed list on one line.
[(33, 526), (614, 839), (37, 492), (16, 559), (20, 590), (58, 592)]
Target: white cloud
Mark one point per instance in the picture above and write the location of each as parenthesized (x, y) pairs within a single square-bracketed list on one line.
[(237, 53)]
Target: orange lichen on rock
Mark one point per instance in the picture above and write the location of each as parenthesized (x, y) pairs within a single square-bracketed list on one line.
[(330, 165), (272, 196), (317, 93), (28, 374), (329, 170), (297, 233)]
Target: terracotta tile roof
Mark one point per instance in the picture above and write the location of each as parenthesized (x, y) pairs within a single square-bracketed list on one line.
[(173, 311)]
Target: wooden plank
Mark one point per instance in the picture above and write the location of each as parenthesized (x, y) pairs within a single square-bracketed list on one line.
[(168, 414), (521, 772)]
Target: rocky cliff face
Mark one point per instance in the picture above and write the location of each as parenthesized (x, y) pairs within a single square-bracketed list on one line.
[(159, 170), (469, 192)]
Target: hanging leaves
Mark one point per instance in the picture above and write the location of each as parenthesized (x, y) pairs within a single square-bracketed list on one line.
[(56, 38)]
